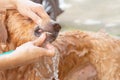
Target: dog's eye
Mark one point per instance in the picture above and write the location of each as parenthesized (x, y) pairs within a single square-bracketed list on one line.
[(38, 31)]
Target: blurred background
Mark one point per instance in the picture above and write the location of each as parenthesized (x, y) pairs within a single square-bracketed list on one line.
[(92, 15)]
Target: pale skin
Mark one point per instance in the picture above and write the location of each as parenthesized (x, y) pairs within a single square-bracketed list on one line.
[(31, 51)]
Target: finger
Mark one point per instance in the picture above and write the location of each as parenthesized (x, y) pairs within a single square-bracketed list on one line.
[(44, 52), (51, 53), (41, 12), (40, 40), (50, 46), (35, 17), (51, 49)]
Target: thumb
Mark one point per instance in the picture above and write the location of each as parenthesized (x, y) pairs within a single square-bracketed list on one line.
[(40, 40)]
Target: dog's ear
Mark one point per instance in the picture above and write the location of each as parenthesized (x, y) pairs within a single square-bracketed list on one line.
[(3, 30)]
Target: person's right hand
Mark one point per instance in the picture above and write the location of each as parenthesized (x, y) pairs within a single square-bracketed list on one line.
[(31, 51), (27, 53)]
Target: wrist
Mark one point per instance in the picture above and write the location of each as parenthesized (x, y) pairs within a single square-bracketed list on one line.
[(7, 52), (6, 60)]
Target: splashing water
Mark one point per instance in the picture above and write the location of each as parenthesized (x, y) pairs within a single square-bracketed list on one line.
[(47, 68)]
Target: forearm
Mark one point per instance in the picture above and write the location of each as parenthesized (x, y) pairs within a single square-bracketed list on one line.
[(5, 62), (20, 58), (12, 60)]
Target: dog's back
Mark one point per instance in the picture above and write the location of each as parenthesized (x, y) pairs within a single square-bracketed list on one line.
[(80, 48)]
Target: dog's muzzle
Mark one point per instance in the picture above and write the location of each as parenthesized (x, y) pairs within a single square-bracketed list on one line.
[(52, 30)]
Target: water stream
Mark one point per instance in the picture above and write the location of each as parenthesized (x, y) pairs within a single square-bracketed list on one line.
[(55, 60), (47, 68)]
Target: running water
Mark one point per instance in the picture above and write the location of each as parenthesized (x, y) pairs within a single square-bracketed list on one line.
[(47, 68), (55, 60)]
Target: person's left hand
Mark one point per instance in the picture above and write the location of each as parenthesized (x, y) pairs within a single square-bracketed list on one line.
[(32, 10)]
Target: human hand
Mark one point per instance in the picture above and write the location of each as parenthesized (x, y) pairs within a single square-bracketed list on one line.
[(31, 51), (32, 10)]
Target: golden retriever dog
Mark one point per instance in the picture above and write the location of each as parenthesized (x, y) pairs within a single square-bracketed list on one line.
[(99, 51), (82, 55)]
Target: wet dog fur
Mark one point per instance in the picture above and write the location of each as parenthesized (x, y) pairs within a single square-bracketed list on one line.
[(86, 54)]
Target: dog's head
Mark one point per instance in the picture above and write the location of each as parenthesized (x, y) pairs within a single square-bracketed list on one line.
[(18, 29)]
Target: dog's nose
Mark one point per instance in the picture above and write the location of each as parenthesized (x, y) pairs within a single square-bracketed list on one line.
[(56, 27)]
